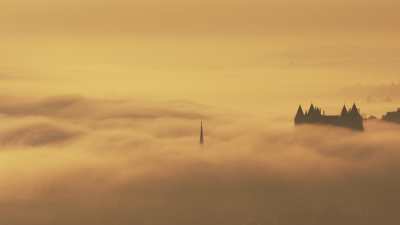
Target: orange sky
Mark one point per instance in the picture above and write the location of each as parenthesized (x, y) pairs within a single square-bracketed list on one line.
[(189, 16), (208, 51), (115, 140)]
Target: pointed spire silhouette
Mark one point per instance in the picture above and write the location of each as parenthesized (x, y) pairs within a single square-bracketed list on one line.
[(354, 109), (201, 134), (311, 109), (300, 111), (300, 116), (344, 110)]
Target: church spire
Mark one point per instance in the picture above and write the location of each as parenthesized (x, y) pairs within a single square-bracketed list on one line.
[(201, 134)]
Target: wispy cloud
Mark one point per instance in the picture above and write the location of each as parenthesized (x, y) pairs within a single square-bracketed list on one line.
[(150, 169)]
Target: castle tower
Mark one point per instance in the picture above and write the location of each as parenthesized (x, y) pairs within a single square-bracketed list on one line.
[(344, 111), (311, 109), (354, 110), (357, 120), (201, 134), (300, 116)]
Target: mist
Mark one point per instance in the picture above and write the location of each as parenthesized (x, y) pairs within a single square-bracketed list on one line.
[(74, 160)]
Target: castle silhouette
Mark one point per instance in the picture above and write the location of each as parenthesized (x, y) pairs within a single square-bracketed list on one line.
[(349, 119)]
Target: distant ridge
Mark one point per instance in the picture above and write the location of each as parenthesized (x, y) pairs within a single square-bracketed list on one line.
[(392, 116), (351, 119)]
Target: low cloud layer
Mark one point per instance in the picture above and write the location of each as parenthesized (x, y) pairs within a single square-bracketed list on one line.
[(72, 160)]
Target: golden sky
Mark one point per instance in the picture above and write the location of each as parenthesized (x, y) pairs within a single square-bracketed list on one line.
[(206, 51), (101, 102), (189, 16)]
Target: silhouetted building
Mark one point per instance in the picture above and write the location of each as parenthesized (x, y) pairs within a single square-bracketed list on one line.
[(348, 118), (201, 134), (392, 116)]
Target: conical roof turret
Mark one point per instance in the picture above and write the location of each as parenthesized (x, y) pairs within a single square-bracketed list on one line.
[(299, 111), (311, 109), (354, 109), (344, 111)]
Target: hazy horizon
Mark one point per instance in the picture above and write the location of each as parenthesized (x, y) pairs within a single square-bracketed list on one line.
[(101, 103)]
